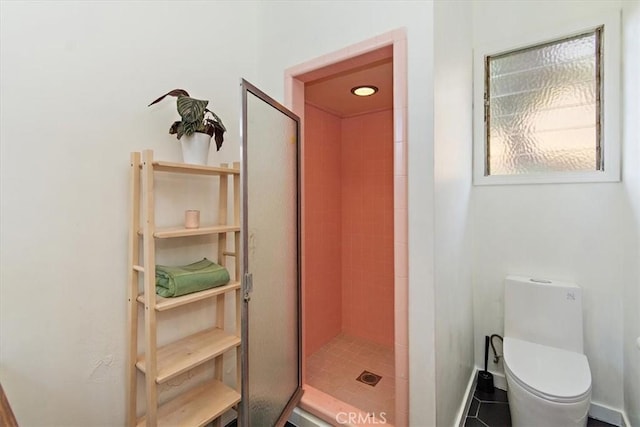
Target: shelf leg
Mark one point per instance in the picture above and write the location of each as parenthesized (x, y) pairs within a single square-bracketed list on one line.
[(132, 294), (149, 289)]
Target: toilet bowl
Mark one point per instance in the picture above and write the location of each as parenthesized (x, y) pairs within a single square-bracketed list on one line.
[(546, 386), (548, 376)]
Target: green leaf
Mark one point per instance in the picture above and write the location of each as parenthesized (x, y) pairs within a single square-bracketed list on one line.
[(189, 127), (175, 92), (191, 109)]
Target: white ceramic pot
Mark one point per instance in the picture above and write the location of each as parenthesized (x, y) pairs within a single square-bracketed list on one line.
[(195, 148)]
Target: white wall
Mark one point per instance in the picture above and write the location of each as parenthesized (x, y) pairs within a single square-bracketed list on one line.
[(452, 153), (584, 233), (631, 176), (76, 78), (295, 32), (75, 82)]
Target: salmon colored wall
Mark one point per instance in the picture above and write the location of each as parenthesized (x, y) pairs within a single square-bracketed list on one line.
[(349, 243), (322, 216), (367, 227)]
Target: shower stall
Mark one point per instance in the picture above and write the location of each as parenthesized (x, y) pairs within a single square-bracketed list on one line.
[(348, 239), (354, 234)]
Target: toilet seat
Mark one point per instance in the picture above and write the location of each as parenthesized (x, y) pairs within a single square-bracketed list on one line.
[(550, 373)]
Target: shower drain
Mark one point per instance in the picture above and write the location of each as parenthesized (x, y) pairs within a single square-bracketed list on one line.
[(369, 378)]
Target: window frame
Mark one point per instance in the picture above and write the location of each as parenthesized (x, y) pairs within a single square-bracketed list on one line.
[(609, 102)]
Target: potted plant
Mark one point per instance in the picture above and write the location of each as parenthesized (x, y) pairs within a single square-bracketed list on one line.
[(196, 128)]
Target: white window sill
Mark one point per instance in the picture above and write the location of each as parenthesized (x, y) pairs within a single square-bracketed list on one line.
[(548, 178)]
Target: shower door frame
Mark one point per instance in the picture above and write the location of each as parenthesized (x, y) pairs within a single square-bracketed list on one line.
[(247, 285), (323, 66)]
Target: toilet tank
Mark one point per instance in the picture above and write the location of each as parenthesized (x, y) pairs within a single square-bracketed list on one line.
[(543, 311)]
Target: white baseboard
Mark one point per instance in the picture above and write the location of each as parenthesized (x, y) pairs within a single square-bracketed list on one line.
[(464, 408), (608, 415)]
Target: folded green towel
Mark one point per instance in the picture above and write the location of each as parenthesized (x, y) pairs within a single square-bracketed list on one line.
[(182, 280)]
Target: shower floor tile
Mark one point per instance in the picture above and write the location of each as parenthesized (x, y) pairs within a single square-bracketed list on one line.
[(335, 367)]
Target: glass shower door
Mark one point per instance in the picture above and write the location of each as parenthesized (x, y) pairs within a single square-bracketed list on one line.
[(271, 332)]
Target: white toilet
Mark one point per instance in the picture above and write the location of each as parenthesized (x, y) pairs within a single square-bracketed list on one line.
[(548, 376)]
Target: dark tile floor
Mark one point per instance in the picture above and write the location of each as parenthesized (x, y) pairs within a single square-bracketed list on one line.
[(492, 410)]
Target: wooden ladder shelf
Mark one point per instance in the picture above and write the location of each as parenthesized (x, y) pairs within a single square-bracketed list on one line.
[(208, 401)]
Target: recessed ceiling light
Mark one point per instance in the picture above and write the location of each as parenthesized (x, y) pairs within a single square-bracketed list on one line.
[(364, 90)]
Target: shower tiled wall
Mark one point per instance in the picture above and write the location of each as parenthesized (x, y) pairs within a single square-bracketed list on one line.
[(367, 227), (323, 293), (349, 277)]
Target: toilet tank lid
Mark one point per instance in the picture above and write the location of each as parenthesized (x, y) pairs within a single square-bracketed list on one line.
[(550, 372)]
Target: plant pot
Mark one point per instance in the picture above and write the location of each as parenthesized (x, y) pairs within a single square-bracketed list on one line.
[(195, 148)]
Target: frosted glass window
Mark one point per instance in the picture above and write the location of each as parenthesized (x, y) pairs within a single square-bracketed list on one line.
[(542, 108)]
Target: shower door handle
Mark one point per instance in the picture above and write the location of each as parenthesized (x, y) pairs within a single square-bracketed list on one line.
[(248, 286)]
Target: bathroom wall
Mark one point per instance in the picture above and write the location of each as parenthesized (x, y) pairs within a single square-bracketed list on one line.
[(631, 176), (452, 150), (367, 226), (76, 78), (77, 89), (295, 32), (323, 218), (584, 233)]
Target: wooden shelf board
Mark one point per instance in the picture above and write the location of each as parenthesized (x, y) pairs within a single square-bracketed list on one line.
[(170, 232), (193, 169), (166, 233), (189, 352), (196, 407), (169, 303)]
